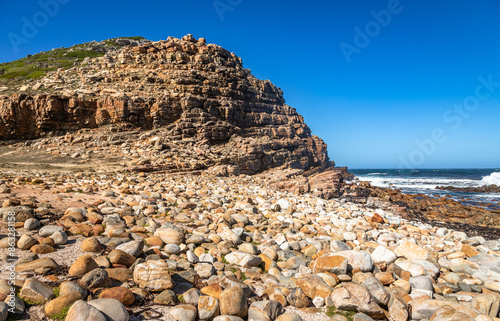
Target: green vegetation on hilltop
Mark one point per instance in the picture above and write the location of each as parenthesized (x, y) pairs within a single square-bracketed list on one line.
[(134, 38), (36, 66)]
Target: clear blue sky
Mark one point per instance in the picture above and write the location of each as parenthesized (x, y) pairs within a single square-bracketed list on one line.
[(401, 83)]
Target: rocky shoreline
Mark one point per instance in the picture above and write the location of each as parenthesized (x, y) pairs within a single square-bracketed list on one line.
[(137, 246), (162, 181)]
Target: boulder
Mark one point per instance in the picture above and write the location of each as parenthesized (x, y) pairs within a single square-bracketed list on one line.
[(357, 260), (82, 311), (313, 285), (36, 291), (233, 301), (243, 259), (265, 310), (82, 265), (330, 262), (184, 312), (112, 309), (153, 276), (208, 307)]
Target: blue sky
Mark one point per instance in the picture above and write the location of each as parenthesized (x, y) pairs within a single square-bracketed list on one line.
[(377, 80)]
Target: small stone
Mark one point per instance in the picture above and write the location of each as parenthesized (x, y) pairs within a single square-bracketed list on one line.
[(233, 301), (313, 286), (289, 317), (113, 309), (243, 259), (36, 291), (97, 278), (318, 302), (121, 258), (59, 237), (48, 230), (31, 224), (265, 310), (56, 305), (71, 287), (91, 244), (25, 242), (412, 251), (184, 312), (172, 248), (213, 290), (119, 293), (42, 249), (331, 263), (82, 265), (298, 299), (82, 311), (204, 270), (153, 276), (134, 248), (169, 235), (167, 297), (208, 307), (40, 266)]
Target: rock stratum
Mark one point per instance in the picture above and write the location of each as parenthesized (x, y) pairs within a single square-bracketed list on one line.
[(190, 93)]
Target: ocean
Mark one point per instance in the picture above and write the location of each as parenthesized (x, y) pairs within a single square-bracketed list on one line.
[(425, 181)]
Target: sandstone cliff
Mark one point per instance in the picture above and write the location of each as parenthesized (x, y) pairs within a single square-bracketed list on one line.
[(189, 90)]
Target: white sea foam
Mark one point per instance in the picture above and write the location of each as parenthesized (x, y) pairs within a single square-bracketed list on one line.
[(494, 178), (417, 183)]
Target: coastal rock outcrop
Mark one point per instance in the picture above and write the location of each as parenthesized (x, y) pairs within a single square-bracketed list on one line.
[(192, 92)]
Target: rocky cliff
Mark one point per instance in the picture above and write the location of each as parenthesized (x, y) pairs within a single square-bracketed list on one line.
[(192, 92)]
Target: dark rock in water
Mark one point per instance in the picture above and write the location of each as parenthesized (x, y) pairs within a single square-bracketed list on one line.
[(476, 189)]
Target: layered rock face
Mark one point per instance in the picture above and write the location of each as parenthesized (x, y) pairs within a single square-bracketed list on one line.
[(192, 91)]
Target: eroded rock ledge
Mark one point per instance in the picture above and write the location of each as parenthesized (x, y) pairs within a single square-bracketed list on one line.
[(193, 91)]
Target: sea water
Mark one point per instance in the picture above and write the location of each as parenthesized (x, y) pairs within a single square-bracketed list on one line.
[(425, 181)]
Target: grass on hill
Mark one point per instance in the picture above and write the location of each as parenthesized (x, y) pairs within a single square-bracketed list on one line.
[(37, 65)]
